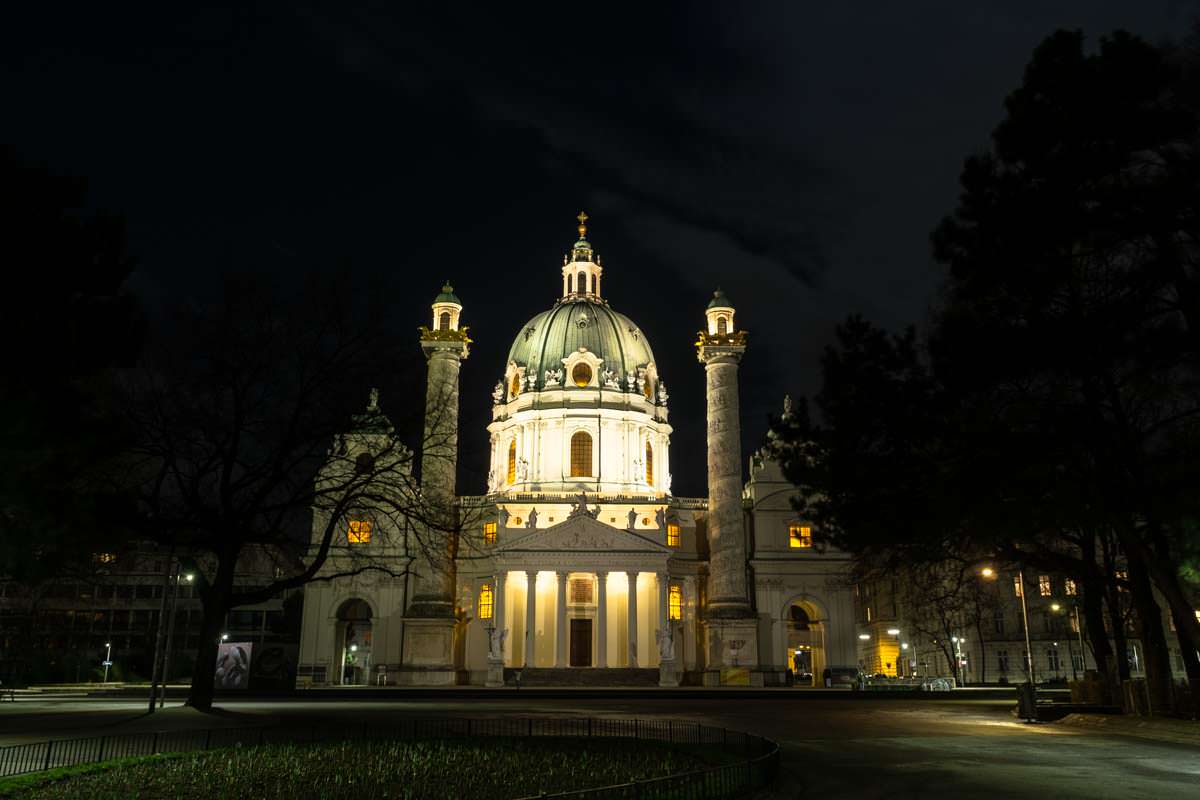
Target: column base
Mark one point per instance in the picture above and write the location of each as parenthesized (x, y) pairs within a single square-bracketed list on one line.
[(730, 643), (428, 652)]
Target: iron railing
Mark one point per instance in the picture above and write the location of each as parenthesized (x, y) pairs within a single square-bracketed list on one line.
[(756, 767)]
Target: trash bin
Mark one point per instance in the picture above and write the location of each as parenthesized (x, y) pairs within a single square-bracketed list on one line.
[(1027, 701)]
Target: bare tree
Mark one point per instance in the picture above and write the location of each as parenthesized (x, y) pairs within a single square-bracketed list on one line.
[(247, 438)]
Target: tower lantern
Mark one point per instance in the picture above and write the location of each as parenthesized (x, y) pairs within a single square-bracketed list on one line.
[(446, 309)]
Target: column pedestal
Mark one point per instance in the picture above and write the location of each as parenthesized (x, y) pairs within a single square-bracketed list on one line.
[(731, 652), (495, 673), (428, 652), (668, 673)]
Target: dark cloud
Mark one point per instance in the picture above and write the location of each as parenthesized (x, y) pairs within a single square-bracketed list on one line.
[(796, 154)]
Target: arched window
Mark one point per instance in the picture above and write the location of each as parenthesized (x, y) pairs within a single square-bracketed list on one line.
[(512, 461), (649, 464), (675, 602), (722, 326), (593, 284), (444, 321), (570, 278), (581, 455), (648, 388), (514, 388), (582, 282), (581, 374)]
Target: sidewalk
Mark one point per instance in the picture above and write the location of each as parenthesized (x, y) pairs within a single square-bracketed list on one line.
[(1162, 729)]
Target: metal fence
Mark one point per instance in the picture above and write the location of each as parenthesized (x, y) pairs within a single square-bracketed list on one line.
[(756, 767)]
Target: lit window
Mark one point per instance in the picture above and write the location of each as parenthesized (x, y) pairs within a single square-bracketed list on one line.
[(106, 558), (512, 461), (1017, 590), (1069, 588), (489, 533), (1122, 579), (514, 388), (675, 602), (722, 326), (581, 374), (485, 601), (648, 388), (672, 534), (359, 531), (581, 452), (444, 321), (799, 536), (1044, 588), (649, 464)]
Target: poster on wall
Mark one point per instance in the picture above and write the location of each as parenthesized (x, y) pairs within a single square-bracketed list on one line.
[(233, 665)]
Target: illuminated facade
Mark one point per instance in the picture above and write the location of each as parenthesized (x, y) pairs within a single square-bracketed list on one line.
[(579, 557)]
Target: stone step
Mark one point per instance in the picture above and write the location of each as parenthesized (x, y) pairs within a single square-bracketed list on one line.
[(581, 676)]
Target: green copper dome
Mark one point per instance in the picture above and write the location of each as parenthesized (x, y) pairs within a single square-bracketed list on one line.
[(719, 300), (553, 335), (447, 295)]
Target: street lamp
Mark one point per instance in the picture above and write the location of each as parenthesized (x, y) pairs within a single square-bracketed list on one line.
[(107, 659), (1031, 709), (1055, 607)]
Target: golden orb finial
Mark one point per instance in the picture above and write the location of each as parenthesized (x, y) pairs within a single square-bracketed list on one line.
[(583, 218)]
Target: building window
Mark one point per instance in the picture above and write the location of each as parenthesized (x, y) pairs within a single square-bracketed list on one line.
[(1074, 623), (1123, 579), (675, 602), (648, 388), (1077, 662), (570, 283), (1069, 588), (489, 533), (722, 326), (485, 601), (581, 452), (1044, 588), (1017, 590), (998, 622), (106, 558), (672, 534), (512, 461), (514, 387), (1052, 658), (359, 531), (649, 464), (1002, 660), (582, 282), (444, 321), (799, 535), (581, 373)]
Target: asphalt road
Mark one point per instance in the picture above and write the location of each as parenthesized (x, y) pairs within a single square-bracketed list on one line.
[(868, 748)]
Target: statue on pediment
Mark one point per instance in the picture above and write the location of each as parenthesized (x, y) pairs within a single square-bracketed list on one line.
[(632, 519), (532, 521)]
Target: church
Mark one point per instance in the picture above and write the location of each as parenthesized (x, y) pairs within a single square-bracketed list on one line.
[(579, 566)]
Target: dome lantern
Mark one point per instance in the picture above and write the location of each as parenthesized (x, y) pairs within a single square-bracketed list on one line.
[(446, 309), (581, 268)]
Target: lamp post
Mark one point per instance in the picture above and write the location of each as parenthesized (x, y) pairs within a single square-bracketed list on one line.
[(1056, 608), (1031, 683), (107, 659), (166, 673), (895, 634)]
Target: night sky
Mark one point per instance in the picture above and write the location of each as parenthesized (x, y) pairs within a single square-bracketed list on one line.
[(795, 154)]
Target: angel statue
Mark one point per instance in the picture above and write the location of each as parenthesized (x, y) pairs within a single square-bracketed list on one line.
[(498, 392), (496, 637), (666, 644)]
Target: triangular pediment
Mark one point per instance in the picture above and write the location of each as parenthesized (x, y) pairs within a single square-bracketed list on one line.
[(582, 534)]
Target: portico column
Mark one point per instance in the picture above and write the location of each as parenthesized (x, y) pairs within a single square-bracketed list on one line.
[(664, 616), (530, 616), (631, 580), (560, 619), (602, 619), (498, 620)]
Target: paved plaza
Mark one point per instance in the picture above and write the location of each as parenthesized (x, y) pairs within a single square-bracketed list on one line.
[(832, 747)]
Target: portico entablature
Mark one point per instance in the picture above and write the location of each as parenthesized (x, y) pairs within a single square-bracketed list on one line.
[(584, 544)]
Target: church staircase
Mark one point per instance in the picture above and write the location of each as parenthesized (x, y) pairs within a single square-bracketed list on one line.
[(581, 676)]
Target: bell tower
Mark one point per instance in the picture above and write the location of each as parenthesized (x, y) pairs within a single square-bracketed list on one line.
[(581, 269)]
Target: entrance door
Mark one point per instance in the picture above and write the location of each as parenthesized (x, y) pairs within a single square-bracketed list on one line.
[(581, 643)]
